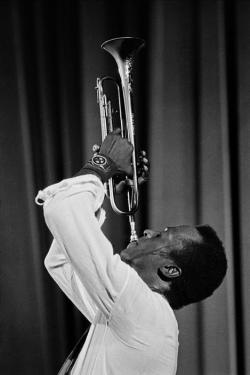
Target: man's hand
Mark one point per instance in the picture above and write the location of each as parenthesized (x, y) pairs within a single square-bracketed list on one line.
[(119, 150), (142, 174), (113, 159)]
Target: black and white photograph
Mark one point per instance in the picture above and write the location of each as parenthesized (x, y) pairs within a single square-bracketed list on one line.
[(124, 187)]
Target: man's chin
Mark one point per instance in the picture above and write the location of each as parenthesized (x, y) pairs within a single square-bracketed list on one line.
[(127, 254), (125, 257)]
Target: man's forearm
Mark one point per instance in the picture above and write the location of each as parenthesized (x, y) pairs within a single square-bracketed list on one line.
[(70, 216)]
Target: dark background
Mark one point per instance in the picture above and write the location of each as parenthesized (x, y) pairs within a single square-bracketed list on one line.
[(192, 99)]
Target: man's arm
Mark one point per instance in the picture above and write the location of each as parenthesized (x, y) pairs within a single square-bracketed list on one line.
[(71, 219), (80, 248), (60, 268)]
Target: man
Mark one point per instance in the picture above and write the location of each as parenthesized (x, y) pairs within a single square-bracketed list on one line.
[(128, 298)]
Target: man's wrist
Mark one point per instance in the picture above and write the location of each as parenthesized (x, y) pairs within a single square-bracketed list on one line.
[(100, 165)]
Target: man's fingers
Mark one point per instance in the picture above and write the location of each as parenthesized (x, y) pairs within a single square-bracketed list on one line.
[(142, 158), (142, 162), (145, 161)]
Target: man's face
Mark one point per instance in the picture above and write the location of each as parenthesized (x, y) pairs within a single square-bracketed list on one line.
[(146, 256)]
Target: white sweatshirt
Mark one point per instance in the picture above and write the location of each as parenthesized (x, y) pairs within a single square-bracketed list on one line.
[(133, 330)]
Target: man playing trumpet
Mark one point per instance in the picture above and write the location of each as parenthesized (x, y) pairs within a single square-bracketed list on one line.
[(128, 298)]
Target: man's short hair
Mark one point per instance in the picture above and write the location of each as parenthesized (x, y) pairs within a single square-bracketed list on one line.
[(203, 267)]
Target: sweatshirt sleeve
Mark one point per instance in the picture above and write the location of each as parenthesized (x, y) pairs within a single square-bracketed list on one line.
[(81, 259), (60, 269)]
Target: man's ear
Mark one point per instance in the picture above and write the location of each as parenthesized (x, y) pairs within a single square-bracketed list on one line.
[(169, 272)]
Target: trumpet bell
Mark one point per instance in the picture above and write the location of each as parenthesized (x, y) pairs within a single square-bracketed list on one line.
[(123, 48)]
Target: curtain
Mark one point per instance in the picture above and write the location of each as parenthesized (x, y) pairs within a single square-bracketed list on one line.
[(192, 95)]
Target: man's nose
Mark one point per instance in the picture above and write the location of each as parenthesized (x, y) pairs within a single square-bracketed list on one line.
[(149, 233)]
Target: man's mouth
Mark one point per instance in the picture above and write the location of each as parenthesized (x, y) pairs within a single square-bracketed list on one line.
[(132, 244)]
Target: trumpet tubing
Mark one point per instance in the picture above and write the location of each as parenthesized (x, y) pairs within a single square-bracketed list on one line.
[(123, 51)]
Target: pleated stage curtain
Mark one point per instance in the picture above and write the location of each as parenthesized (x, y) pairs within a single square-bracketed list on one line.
[(192, 96)]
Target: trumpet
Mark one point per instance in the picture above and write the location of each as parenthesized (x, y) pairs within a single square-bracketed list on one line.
[(123, 51)]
